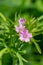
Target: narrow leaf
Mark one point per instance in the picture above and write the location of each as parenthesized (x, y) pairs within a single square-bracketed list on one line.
[(37, 46), (20, 57), (20, 62)]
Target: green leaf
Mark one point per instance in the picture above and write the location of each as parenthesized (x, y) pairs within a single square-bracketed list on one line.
[(40, 18), (2, 51), (20, 57), (40, 24), (37, 46), (20, 62), (3, 17)]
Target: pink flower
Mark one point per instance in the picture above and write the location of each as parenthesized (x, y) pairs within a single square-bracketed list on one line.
[(23, 33), (25, 36), (21, 21), (19, 28)]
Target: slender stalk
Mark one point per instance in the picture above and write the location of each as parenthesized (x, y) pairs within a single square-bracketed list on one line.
[(14, 61), (1, 54), (0, 61)]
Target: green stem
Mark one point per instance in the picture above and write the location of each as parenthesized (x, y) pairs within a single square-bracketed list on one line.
[(1, 54), (14, 61), (0, 61)]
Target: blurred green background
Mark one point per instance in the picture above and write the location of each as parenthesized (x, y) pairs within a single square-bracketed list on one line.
[(32, 8)]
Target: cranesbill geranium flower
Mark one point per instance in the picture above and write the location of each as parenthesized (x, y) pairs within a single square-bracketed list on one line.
[(25, 36), (19, 28), (21, 21)]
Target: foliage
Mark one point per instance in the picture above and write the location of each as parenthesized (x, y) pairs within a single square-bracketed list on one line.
[(12, 50), (9, 39)]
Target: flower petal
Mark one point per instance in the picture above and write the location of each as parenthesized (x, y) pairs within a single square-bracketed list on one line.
[(27, 40), (30, 35), (17, 29), (21, 38), (21, 21)]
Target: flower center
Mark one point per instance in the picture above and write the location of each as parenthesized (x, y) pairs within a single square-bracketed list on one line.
[(20, 30), (24, 36)]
